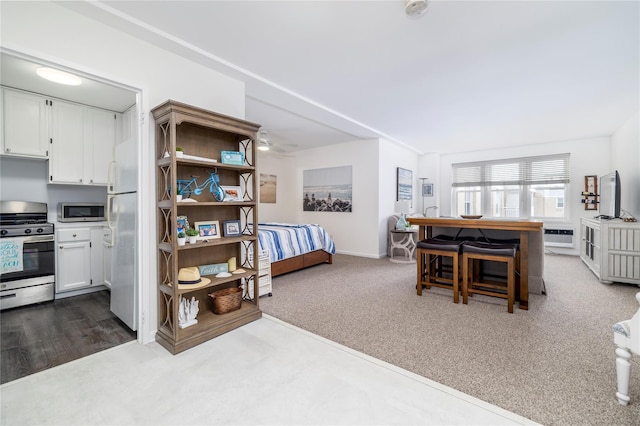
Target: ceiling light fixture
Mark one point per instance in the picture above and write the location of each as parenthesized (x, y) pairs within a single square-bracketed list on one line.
[(263, 142), (58, 76), (416, 7)]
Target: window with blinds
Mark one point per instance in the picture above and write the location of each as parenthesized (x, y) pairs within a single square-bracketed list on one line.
[(528, 187)]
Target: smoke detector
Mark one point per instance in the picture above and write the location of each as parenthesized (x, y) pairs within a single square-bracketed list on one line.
[(416, 7)]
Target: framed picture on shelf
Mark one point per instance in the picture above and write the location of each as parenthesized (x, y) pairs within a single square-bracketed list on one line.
[(231, 228), (182, 224), (232, 157), (232, 193), (208, 230)]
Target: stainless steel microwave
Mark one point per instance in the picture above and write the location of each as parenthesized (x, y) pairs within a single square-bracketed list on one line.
[(81, 212)]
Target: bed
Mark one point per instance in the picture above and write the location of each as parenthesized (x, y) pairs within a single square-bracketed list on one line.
[(292, 247)]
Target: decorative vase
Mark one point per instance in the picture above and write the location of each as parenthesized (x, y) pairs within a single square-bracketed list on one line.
[(182, 241), (179, 154), (401, 224), (192, 239), (179, 197)]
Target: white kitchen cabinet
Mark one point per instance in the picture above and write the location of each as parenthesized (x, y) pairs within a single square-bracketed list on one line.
[(80, 261), (100, 129), (73, 259), (25, 124), (611, 249), (66, 159), (82, 144)]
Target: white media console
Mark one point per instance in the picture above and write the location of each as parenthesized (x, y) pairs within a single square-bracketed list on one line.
[(611, 249)]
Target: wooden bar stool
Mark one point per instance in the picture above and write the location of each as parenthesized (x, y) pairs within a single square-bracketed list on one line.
[(502, 275), (428, 253), (472, 283)]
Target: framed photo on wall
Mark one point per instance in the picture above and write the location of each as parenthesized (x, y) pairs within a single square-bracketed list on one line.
[(427, 190), (404, 190)]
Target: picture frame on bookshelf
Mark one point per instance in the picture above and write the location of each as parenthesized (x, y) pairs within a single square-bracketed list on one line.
[(232, 157), (232, 193), (182, 224), (231, 228), (208, 230)]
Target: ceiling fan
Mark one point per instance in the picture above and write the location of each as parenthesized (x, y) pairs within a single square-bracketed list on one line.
[(264, 144)]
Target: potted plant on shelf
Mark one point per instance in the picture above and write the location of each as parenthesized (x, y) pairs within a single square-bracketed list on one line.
[(182, 238), (192, 235), (179, 152)]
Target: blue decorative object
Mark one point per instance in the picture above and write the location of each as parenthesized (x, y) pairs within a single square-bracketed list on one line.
[(232, 157), (401, 224)]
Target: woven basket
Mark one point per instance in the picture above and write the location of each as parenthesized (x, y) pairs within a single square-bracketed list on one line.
[(226, 300)]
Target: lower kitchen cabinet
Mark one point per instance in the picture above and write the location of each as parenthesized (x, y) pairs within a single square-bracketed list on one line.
[(79, 258)]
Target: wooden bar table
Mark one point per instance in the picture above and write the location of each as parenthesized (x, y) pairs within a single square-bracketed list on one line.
[(426, 225)]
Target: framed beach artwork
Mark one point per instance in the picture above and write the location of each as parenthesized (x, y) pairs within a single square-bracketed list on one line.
[(268, 188), (327, 190), (404, 190)]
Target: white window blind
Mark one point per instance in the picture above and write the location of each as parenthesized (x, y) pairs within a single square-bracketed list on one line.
[(547, 169)]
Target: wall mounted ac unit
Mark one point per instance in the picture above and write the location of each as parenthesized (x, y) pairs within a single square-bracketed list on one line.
[(557, 237)]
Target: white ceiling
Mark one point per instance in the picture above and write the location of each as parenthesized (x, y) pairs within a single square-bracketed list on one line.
[(466, 75), (19, 72)]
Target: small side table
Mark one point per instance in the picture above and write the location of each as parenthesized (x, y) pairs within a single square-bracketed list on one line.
[(403, 241)]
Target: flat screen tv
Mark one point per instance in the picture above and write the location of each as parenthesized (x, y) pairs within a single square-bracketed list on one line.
[(610, 195)]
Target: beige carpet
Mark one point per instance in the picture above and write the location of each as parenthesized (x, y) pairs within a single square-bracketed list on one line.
[(554, 364)]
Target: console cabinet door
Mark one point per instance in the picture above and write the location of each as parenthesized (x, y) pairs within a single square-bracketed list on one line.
[(25, 124)]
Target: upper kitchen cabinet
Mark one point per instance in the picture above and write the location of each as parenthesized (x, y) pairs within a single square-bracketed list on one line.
[(66, 164), (82, 140), (25, 124), (100, 136)]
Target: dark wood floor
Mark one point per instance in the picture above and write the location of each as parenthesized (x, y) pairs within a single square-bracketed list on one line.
[(37, 337)]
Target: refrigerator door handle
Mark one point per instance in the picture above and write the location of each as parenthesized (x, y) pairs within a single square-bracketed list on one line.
[(109, 208), (110, 174)]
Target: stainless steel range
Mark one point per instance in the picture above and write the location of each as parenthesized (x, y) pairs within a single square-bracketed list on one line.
[(27, 272)]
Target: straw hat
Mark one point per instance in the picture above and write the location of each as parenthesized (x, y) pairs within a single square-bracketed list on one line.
[(189, 278)]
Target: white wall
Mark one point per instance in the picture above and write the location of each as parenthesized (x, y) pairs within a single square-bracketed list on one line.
[(54, 33), (588, 157), (625, 157), (288, 202), (392, 156), (429, 167)]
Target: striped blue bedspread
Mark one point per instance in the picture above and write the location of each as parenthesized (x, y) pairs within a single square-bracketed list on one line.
[(285, 240)]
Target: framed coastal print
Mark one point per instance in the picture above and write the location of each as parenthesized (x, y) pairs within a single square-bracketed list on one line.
[(404, 190), (327, 190), (208, 230), (427, 190)]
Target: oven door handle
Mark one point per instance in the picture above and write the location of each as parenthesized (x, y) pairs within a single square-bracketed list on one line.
[(38, 238)]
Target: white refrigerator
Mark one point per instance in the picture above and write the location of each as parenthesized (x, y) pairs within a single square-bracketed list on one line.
[(122, 210)]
